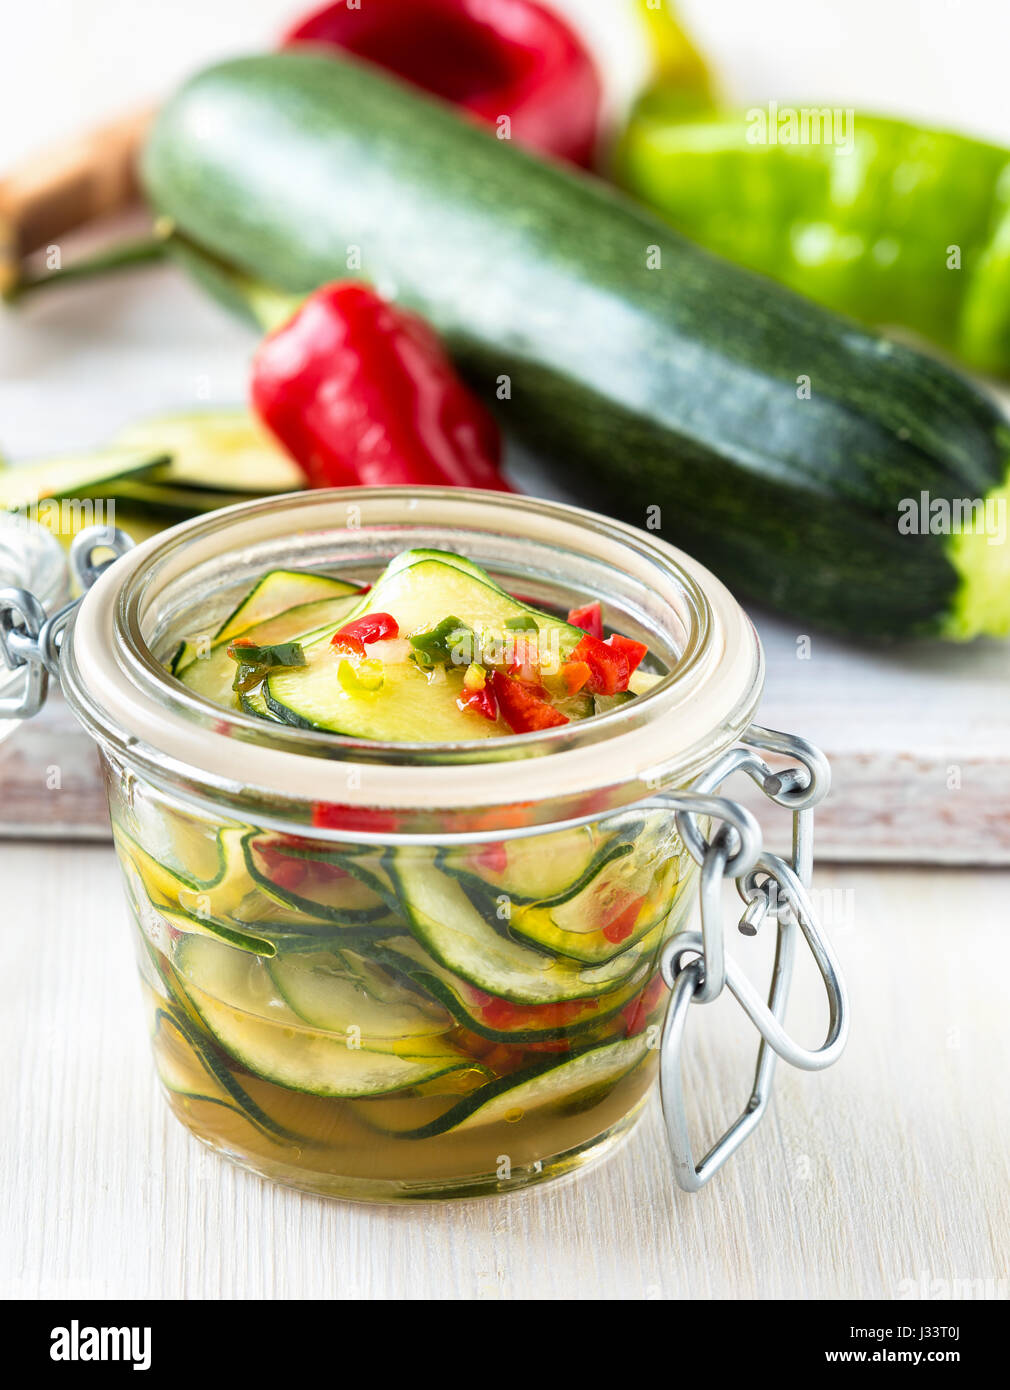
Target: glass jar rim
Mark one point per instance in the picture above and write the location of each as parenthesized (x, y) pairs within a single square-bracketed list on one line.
[(139, 712)]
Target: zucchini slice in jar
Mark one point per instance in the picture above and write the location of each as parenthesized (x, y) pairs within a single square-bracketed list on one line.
[(609, 916), (326, 888), (498, 1019), (294, 600), (230, 897), (337, 991), (239, 1005), (442, 917), (179, 1054), (576, 1083)]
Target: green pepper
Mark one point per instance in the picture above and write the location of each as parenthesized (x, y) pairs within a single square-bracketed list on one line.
[(279, 654), (448, 642), (890, 222)]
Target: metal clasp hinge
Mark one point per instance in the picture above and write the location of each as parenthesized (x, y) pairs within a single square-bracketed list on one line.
[(30, 639), (696, 965)]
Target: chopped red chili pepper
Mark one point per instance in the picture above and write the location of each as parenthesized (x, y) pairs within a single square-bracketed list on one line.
[(523, 711), (621, 923), (360, 391), (609, 671), (480, 701), (637, 1010), (493, 858), (589, 619), (332, 815), (634, 651), (372, 627), (495, 58), (347, 642)]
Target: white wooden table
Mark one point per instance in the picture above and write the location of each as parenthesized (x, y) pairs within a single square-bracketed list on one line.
[(891, 1169)]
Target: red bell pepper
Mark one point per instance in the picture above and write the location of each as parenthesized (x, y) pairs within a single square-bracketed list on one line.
[(523, 711), (634, 651), (609, 668), (361, 392), (575, 675), (493, 58), (589, 619)]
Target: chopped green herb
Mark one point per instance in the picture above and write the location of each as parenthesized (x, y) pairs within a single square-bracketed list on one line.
[(523, 622)]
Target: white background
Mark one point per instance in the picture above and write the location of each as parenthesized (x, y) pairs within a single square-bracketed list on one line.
[(67, 62)]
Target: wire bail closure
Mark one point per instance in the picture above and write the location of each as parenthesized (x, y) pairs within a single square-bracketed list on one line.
[(30, 639), (696, 965)]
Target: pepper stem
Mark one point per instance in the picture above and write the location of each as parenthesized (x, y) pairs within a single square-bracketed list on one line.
[(980, 552), (261, 304), (678, 65)]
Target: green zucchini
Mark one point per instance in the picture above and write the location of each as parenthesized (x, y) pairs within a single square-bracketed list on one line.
[(780, 443), (457, 935), (577, 1083), (469, 1005), (87, 475), (239, 1005), (286, 598), (217, 450), (409, 705), (338, 991), (173, 1034)]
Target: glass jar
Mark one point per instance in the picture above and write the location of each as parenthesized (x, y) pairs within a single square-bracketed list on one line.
[(30, 558), (403, 971)]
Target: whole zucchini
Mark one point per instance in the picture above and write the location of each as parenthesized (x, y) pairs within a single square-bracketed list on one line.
[(781, 444)]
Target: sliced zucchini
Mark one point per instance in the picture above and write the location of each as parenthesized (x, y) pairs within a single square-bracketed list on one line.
[(526, 1024), (611, 915), (27, 483), (565, 1087), (280, 591), (181, 1058), (406, 558), (229, 897), (185, 924), (278, 594), (327, 889), (456, 934), (240, 1006), (338, 991), (411, 704), (221, 450), (541, 869), (174, 503)]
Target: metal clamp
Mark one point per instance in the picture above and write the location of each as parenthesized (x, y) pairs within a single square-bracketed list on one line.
[(30, 639), (695, 964)]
